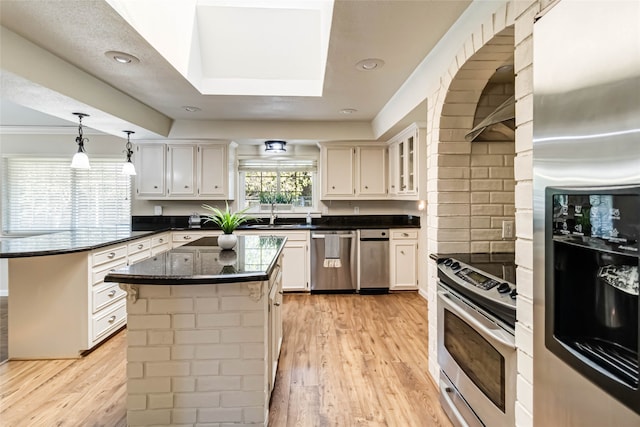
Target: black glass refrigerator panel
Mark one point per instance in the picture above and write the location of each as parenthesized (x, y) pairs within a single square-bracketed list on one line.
[(591, 291)]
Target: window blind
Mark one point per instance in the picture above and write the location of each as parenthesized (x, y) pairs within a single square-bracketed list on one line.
[(42, 195)]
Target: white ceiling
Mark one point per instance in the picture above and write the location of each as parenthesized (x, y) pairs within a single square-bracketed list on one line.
[(80, 32)]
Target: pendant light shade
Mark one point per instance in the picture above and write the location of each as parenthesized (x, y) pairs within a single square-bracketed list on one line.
[(80, 159), (128, 167), (275, 146)]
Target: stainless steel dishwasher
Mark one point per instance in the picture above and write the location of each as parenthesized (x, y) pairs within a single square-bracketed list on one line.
[(333, 261), (374, 261)]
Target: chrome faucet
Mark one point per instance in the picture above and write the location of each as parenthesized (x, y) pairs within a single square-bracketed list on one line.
[(272, 219)]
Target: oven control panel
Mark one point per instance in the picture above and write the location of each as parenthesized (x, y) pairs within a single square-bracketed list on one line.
[(477, 279), (488, 291)]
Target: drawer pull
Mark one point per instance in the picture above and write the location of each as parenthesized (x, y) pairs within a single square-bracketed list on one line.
[(111, 255), (405, 234), (140, 246), (112, 319), (402, 252), (187, 237), (111, 293), (160, 240), (277, 304)]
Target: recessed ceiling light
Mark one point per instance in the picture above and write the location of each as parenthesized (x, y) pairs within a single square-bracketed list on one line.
[(370, 64), (190, 108), (121, 57), (348, 111)]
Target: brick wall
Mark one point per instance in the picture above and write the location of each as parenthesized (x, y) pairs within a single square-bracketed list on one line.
[(201, 350), (459, 219)]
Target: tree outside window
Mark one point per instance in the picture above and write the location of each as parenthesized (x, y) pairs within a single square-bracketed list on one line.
[(279, 187)]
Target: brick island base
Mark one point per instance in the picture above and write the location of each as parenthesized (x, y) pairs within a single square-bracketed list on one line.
[(202, 354)]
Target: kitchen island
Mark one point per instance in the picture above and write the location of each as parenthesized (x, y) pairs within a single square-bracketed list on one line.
[(204, 332)]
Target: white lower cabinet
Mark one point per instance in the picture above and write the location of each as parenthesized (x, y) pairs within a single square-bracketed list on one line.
[(274, 327), (160, 243), (179, 238), (108, 302), (295, 257), (404, 259), (295, 262)]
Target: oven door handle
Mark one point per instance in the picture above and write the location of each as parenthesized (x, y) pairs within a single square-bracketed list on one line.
[(482, 325)]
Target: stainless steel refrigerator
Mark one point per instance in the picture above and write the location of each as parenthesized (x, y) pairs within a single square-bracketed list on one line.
[(586, 148)]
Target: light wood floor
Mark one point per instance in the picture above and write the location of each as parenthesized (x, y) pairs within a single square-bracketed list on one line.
[(347, 360)]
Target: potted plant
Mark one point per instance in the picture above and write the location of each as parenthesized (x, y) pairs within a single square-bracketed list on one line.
[(227, 221)]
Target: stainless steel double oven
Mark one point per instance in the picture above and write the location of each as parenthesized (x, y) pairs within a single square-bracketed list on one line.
[(476, 340)]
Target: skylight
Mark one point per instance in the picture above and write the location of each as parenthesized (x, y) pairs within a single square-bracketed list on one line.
[(238, 47)]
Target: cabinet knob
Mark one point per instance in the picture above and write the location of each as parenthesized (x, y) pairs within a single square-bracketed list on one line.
[(160, 240), (155, 186), (187, 237), (111, 255), (186, 186), (277, 304), (333, 187), (140, 246), (111, 293), (112, 319), (215, 186), (402, 252), (405, 234), (366, 187)]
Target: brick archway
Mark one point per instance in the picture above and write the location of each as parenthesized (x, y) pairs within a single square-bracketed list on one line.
[(474, 182)]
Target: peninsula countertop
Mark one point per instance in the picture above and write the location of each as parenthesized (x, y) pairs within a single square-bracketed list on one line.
[(64, 242), (203, 262)]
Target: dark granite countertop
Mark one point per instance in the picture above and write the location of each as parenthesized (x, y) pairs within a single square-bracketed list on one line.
[(69, 241), (203, 262), (143, 226), (325, 222)]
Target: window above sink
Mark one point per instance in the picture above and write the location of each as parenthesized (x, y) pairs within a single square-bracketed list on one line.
[(280, 186)]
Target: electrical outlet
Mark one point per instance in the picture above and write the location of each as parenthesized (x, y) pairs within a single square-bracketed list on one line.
[(356, 210), (507, 229)]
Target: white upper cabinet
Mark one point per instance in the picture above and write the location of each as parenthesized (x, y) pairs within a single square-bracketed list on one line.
[(181, 176), (371, 176), (337, 172), (353, 172), (392, 179), (184, 171), (213, 173), (407, 164), (150, 168)]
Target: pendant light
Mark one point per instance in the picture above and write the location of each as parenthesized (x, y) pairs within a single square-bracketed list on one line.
[(80, 159), (275, 146), (128, 168)]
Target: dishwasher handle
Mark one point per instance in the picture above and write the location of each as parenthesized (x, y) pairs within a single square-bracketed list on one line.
[(341, 236)]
